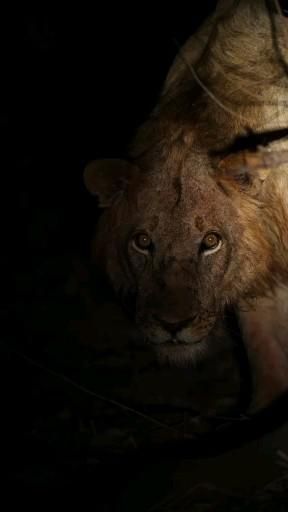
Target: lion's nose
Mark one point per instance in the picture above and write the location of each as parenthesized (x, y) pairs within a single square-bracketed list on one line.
[(173, 327)]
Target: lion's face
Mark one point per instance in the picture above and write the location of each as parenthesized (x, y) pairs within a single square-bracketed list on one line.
[(173, 242), (178, 250)]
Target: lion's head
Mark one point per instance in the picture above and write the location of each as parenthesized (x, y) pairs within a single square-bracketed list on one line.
[(185, 235), (180, 242)]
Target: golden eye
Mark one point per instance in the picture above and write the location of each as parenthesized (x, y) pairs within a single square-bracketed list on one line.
[(211, 243), (142, 242)]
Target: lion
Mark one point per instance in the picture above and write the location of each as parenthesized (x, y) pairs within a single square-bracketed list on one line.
[(186, 237)]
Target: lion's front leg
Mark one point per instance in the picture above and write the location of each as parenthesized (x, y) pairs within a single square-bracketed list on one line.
[(265, 335)]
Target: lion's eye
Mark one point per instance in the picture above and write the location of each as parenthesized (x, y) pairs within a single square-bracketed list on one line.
[(211, 243), (142, 242)]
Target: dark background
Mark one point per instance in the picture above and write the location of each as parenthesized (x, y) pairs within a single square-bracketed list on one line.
[(74, 86)]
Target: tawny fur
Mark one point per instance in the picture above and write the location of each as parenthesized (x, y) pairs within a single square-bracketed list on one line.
[(230, 77)]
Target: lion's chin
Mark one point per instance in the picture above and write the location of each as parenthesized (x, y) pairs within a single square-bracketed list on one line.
[(182, 355)]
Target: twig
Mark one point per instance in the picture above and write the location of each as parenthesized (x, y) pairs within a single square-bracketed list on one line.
[(102, 398), (248, 160)]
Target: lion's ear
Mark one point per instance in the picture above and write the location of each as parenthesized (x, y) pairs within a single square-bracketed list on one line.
[(246, 171), (105, 178)]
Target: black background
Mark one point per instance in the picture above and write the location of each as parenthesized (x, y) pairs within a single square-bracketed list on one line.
[(75, 85)]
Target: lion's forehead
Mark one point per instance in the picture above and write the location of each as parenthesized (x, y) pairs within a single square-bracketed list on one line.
[(184, 201)]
